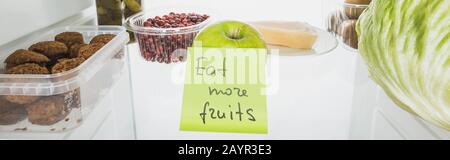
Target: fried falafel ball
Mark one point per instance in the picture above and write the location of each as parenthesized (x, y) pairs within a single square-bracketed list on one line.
[(11, 113), (21, 99), (70, 38), (67, 64), (73, 51), (28, 68), (89, 50), (63, 65), (22, 56), (102, 38), (47, 111), (52, 49)]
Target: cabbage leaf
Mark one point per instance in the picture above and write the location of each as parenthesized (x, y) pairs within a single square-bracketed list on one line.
[(406, 46)]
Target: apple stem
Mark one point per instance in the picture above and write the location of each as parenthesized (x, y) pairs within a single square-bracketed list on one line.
[(236, 33)]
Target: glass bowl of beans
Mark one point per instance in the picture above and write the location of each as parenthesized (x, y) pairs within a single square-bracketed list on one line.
[(163, 35)]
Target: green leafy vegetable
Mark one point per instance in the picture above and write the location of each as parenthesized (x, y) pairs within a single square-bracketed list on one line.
[(406, 46)]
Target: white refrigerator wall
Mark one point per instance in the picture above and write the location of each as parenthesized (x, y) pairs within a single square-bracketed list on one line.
[(253, 10), (20, 17), (375, 116)]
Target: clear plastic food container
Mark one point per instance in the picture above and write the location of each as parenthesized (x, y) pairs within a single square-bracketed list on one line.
[(342, 23), (63, 100), (164, 45)]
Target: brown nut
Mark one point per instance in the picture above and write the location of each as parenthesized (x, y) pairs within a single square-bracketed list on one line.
[(348, 32)]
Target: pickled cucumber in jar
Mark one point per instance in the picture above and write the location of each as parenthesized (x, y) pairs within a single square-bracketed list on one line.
[(132, 7), (110, 12)]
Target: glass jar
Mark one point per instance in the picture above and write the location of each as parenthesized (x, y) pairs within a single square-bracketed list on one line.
[(342, 19), (110, 12), (132, 7)]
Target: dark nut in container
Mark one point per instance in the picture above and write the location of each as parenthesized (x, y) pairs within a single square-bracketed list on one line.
[(103, 38), (11, 113), (22, 56), (52, 49), (48, 111), (70, 38), (348, 32)]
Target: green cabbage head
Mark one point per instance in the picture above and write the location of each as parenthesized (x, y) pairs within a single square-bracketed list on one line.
[(406, 46)]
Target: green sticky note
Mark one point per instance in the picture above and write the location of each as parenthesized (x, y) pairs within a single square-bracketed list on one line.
[(224, 91)]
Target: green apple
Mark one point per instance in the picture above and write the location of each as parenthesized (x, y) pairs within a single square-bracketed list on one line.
[(230, 34)]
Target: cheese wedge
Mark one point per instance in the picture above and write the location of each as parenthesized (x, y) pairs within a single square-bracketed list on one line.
[(287, 33)]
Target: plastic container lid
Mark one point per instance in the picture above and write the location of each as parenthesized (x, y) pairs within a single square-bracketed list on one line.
[(135, 23), (351, 5)]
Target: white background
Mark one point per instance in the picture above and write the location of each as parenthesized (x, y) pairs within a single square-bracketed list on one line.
[(20, 17), (319, 97)]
